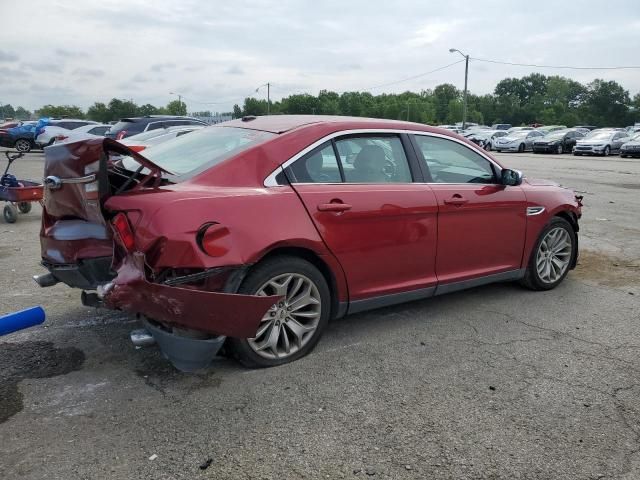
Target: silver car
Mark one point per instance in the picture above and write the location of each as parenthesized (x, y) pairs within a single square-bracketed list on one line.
[(601, 142), (517, 141)]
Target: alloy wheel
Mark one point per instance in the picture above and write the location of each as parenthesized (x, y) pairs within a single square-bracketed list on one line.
[(554, 255), (289, 325), (560, 150), (23, 145)]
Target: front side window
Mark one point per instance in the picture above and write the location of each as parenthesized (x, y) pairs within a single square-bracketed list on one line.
[(451, 162), (373, 159)]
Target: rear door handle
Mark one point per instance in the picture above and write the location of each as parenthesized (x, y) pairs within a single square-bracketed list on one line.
[(456, 200), (334, 207)]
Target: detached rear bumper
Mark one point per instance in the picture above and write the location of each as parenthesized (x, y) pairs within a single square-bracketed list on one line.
[(216, 313)]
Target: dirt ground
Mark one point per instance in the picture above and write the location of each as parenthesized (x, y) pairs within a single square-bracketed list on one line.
[(495, 382)]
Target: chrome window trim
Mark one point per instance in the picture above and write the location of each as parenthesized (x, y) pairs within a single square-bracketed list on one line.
[(270, 181)]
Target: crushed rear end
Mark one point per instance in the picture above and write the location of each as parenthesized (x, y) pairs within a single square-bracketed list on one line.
[(95, 237)]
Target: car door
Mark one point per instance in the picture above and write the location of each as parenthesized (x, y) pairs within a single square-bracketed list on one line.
[(481, 223), (618, 139), (531, 137), (380, 225)]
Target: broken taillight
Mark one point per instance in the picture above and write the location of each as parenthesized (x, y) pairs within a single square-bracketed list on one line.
[(136, 148), (123, 231), (60, 138), (120, 135)]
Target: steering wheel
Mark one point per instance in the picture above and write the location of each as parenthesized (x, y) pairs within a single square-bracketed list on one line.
[(390, 169)]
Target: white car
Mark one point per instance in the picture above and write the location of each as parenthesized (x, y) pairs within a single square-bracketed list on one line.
[(601, 142), (144, 140), (56, 127), (82, 133), (517, 141)]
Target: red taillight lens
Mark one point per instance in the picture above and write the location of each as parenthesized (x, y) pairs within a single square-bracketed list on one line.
[(123, 231), (120, 135), (61, 137), (137, 148)]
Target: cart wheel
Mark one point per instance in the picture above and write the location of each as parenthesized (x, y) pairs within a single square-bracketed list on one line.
[(10, 213), (24, 207)]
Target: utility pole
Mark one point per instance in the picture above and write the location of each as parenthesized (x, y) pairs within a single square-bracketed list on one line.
[(268, 98), (466, 77)]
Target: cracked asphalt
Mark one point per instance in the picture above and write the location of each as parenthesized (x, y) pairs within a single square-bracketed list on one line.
[(495, 382)]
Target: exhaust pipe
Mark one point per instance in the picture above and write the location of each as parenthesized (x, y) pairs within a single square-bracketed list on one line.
[(141, 338), (46, 280)]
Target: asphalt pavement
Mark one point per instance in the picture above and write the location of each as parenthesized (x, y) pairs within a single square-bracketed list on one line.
[(496, 382)]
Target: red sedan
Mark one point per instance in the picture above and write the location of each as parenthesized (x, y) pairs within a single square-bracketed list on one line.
[(256, 232)]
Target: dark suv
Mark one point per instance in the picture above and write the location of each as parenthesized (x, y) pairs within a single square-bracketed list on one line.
[(133, 125)]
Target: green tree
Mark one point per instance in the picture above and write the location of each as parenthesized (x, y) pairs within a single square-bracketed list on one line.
[(61, 111), (7, 111), (22, 113), (237, 111), (606, 103), (99, 113), (176, 107), (443, 95)]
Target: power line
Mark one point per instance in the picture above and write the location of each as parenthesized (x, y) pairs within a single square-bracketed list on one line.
[(412, 78), (567, 67)]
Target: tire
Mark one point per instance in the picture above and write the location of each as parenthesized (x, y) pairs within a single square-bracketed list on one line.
[(623, 156), (276, 269), (10, 213), (533, 279), (499, 151), (521, 148), (577, 154), (487, 147), (24, 207), (560, 149), (607, 151), (22, 145)]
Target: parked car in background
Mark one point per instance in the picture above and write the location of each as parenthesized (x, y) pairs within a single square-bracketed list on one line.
[(631, 148), (501, 126), (15, 137), (127, 127), (486, 138), (601, 142), (517, 129), (82, 133), (256, 232), (517, 141), (59, 127), (551, 128), (558, 141), (144, 140), (585, 127)]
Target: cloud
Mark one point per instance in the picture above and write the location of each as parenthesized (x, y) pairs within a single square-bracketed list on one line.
[(88, 72), (43, 67), (161, 67), (234, 70), (432, 32), (7, 56), (61, 52), (139, 78)]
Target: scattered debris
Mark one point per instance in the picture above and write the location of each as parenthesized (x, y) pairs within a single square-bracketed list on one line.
[(206, 464), (422, 343), (408, 467), (492, 388), (153, 457), (370, 471)]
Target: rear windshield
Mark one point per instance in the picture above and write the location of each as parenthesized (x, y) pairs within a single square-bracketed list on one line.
[(204, 148), (128, 125)]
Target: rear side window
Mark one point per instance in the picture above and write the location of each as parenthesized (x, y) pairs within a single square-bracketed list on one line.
[(128, 126), (204, 148), (318, 166), (156, 125), (373, 159), (98, 130), (451, 162)]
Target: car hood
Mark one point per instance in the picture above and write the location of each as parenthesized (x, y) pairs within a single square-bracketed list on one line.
[(540, 182), (589, 141), (509, 139), (634, 143)]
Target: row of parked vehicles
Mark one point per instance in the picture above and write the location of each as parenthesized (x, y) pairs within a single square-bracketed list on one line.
[(558, 139), (27, 135)]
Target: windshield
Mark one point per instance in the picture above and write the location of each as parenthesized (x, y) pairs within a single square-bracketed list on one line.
[(519, 134), (556, 135), (144, 135), (599, 136), (204, 148)]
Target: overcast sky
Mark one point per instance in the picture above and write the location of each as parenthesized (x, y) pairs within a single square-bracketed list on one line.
[(78, 52)]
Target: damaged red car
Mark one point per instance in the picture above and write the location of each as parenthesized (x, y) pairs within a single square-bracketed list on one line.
[(254, 233)]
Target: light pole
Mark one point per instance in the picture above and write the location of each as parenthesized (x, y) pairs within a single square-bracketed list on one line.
[(179, 98), (268, 85), (466, 76)]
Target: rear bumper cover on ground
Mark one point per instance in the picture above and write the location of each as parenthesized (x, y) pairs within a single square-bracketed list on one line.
[(217, 313)]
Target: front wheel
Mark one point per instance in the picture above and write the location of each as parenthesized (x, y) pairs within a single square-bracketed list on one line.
[(10, 213), (552, 256), (607, 151), (293, 327), (559, 149), (521, 148)]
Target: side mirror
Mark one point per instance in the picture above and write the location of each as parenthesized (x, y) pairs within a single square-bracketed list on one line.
[(511, 178)]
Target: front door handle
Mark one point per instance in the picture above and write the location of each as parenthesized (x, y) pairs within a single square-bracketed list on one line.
[(337, 207), (456, 200)]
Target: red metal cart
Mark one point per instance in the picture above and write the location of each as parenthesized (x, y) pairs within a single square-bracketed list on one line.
[(18, 194)]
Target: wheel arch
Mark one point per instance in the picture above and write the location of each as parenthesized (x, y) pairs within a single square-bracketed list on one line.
[(338, 308), (572, 218)]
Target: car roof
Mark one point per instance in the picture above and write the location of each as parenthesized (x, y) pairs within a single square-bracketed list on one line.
[(284, 123), (151, 118)]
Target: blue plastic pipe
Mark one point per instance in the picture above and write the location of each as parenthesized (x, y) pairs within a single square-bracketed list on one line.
[(13, 322)]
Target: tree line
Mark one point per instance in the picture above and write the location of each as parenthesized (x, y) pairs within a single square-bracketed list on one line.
[(534, 98)]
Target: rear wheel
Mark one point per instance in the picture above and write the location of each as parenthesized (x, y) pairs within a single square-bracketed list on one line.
[(10, 213), (22, 145), (560, 149), (24, 207), (292, 328), (521, 148), (552, 256)]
